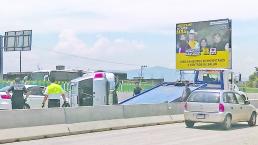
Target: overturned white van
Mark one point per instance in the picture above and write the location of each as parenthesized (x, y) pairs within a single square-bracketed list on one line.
[(95, 88)]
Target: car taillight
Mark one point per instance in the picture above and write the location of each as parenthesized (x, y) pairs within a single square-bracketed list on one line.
[(6, 97), (186, 106), (221, 108), (99, 75)]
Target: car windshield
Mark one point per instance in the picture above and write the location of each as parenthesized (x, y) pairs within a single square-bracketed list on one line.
[(4, 89), (209, 77), (204, 97)]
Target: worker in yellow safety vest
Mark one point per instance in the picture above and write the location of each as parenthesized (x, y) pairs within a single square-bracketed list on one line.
[(52, 94)]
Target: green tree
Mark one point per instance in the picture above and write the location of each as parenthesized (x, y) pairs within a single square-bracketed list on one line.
[(252, 77)]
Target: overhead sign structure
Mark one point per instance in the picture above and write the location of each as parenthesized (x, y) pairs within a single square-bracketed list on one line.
[(18, 40), (205, 44)]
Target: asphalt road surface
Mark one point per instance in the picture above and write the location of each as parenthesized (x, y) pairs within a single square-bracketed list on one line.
[(172, 134), (252, 95)]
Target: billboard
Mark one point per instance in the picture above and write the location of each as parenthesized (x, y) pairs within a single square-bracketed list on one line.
[(204, 45), (18, 40)]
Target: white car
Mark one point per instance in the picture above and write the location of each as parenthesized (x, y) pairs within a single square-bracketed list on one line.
[(218, 106), (5, 100), (36, 97), (34, 101)]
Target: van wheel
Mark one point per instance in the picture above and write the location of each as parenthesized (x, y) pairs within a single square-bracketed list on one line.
[(252, 121), (189, 124), (26, 106), (227, 124)]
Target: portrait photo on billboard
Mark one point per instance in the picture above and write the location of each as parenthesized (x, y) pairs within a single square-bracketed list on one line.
[(205, 44)]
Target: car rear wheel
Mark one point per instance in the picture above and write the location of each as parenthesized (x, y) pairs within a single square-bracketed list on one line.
[(227, 124), (252, 121), (189, 124)]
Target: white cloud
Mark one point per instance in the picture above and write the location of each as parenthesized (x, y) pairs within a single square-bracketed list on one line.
[(73, 49), (244, 60), (117, 15), (155, 16), (69, 43)]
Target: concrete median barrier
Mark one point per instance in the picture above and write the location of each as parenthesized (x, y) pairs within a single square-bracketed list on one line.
[(39, 117), (19, 125), (95, 113), (176, 108), (132, 111), (22, 125), (40, 132), (33, 117)]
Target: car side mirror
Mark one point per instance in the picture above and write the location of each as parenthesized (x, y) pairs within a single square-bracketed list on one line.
[(247, 102)]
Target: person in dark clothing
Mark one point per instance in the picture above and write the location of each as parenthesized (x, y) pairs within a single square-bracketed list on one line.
[(115, 98), (186, 93), (137, 90), (18, 90)]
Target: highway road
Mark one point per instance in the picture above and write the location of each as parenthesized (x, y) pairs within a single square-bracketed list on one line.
[(171, 134)]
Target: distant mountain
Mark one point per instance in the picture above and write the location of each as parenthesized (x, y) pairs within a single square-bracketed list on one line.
[(158, 72)]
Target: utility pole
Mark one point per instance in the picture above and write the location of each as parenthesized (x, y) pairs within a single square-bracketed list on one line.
[(1, 57), (142, 67)]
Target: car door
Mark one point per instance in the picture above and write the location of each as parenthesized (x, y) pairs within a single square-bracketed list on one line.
[(244, 109), (231, 105)]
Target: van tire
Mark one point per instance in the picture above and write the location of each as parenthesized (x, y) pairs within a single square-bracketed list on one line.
[(227, 123), (189, 124), (252, 120)]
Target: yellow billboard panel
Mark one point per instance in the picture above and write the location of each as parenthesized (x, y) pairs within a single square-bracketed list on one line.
[(220, 60), (201, 45)]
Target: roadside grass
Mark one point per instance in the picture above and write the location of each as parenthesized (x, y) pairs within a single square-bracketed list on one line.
[(249, 90)]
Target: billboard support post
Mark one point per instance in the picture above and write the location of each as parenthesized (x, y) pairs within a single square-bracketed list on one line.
[(1, 57), (20, 62)]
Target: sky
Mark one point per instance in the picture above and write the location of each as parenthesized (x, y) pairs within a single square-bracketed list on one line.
[(120, 34)]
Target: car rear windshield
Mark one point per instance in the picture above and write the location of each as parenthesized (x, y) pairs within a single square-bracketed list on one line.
[(204, 97), (4, 89), (36, 90)]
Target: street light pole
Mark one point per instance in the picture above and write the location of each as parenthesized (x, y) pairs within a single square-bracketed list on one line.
[(20, 63), (1, 57), (143, 66)]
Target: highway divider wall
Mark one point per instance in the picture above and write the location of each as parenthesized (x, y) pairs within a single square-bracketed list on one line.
[(133, 111), (33, 117), (93, 113), (52, 116)]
